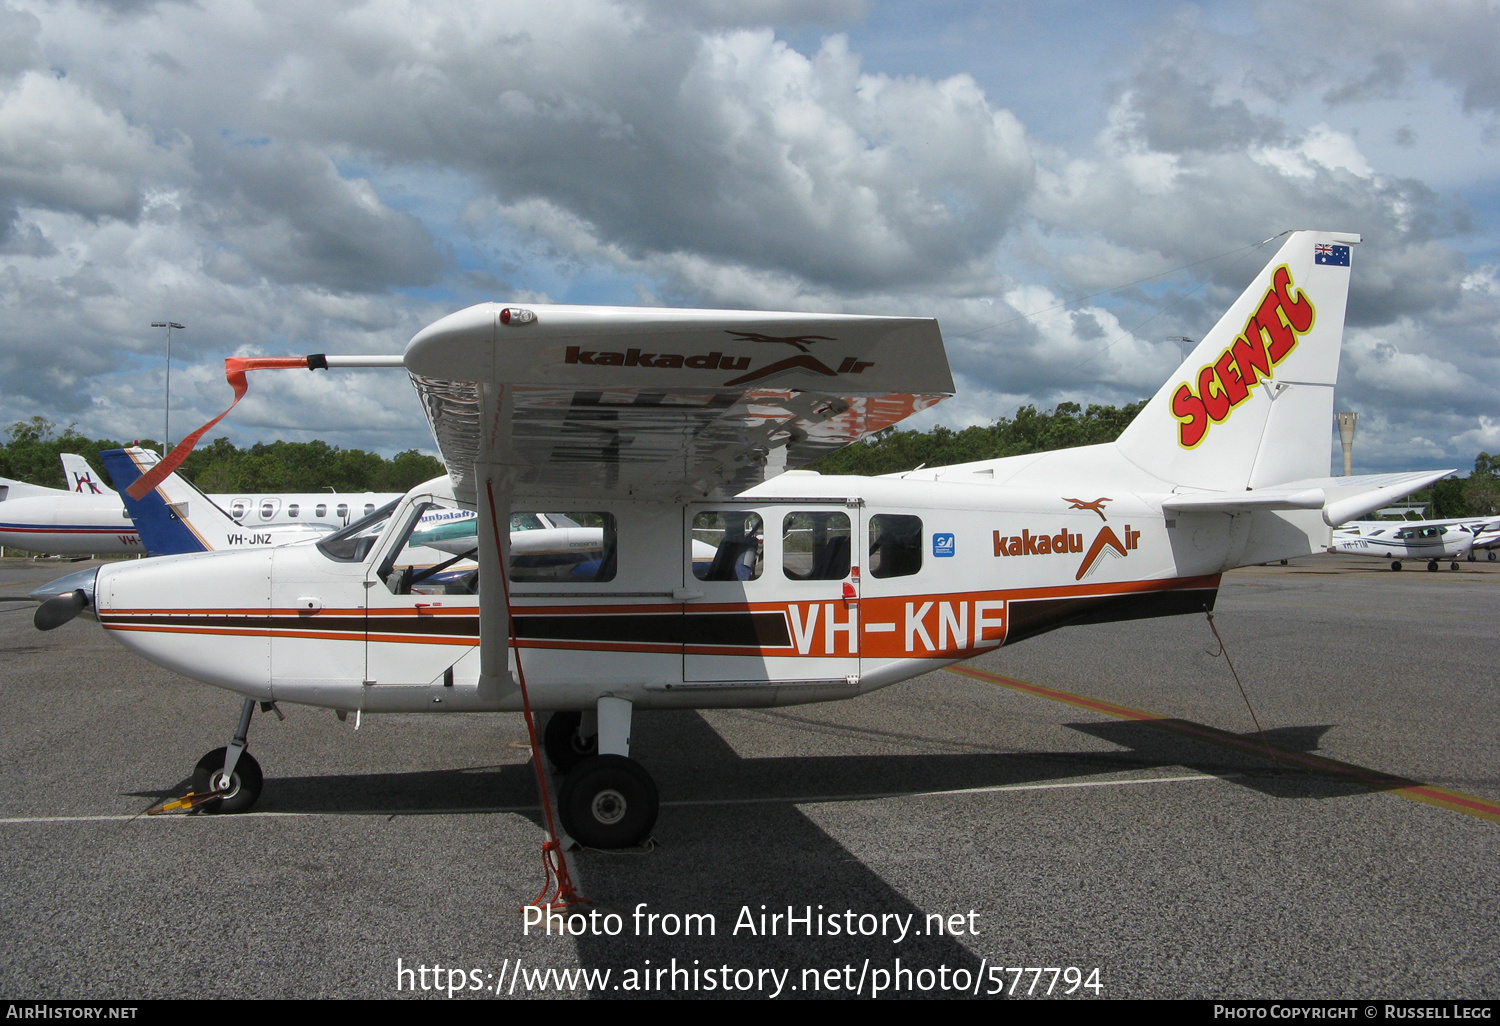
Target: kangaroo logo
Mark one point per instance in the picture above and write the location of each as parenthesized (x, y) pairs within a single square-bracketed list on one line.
[(1097, 506), (800, 341)]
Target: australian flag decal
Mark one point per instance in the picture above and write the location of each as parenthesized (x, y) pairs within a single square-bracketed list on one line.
[(1333, 256)]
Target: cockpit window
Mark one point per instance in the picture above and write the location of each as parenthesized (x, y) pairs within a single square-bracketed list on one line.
[(353, 543), (437, 555)]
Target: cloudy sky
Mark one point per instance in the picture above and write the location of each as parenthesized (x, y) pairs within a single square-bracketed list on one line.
[(285, 178)]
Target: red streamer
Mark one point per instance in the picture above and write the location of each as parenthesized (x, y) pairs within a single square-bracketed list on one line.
[(234, 370)]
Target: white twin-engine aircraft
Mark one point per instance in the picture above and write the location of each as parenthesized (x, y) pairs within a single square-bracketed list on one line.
[(717, 576)]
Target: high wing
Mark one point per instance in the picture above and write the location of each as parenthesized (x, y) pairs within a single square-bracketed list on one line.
[(662, 403)]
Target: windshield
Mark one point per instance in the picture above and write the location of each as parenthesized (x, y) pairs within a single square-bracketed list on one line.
[(353, 543)]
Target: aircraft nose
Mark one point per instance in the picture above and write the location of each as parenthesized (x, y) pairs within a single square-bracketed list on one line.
[(64, 598)]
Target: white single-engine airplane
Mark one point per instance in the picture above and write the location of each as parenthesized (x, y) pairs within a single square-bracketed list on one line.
[(675, 431), (1431, 541)]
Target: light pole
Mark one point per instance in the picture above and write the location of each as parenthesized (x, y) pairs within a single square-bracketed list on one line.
[(1180, 339), (166, 439)]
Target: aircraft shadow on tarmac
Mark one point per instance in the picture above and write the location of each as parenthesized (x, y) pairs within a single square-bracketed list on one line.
[(1158, 743), (692, 764), (732, 836)]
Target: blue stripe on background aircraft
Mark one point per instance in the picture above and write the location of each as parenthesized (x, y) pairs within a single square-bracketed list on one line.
[(680, 429)]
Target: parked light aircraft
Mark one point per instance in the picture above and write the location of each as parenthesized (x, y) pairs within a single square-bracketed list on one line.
[(90, 517), (1487, 540), (676, 429), (1398, 540)]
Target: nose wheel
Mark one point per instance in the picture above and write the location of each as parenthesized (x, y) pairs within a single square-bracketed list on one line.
[(241, 786)]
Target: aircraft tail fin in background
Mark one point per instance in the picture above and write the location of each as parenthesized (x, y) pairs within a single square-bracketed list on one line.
[(1252, 406), (174, 517), (171, 518), (82, 479)]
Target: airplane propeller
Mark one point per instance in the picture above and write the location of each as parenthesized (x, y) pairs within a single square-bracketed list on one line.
[(59, 609), (63, 599)]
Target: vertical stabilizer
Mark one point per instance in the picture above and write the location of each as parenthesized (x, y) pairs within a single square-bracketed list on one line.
[(1252, 406), (173, 517), (82, 478)]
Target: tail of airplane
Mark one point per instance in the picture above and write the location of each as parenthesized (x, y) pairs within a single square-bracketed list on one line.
[(1252, 405), (1245, 423), (81, 478), (174, 517)]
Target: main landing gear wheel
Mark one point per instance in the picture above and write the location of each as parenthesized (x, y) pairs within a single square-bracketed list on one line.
[(1396, 565), (1492, 555), (244, 786), (564, 747), (608, 801), (1453, 565), (1432, 565)]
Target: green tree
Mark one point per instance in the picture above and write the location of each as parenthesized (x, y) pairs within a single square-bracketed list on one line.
[(892, 451)]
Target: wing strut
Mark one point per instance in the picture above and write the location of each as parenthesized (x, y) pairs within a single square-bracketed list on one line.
[(557, 888)]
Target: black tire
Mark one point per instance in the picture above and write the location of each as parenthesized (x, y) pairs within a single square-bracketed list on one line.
[(560, 740), (1396, 565), (1492, 555), (1432, 564), (1453, 565), (244, 788), (608, 801)]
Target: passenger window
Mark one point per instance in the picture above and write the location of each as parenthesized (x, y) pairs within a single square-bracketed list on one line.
[(815, 546), (268, 508), (239, 508), (292, 510), (322, 510), (583, 552), (343, 511), (895, 545), (728, 546), (369, 508)]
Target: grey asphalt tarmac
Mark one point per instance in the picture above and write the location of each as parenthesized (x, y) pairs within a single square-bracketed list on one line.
[(1167, 850)]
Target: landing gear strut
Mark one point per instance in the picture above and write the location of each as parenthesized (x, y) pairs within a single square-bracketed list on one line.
[(607, 800), (231, 770), (565, 742)]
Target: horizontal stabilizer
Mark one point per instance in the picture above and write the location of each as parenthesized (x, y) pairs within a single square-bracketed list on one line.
[(1340, 498)]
